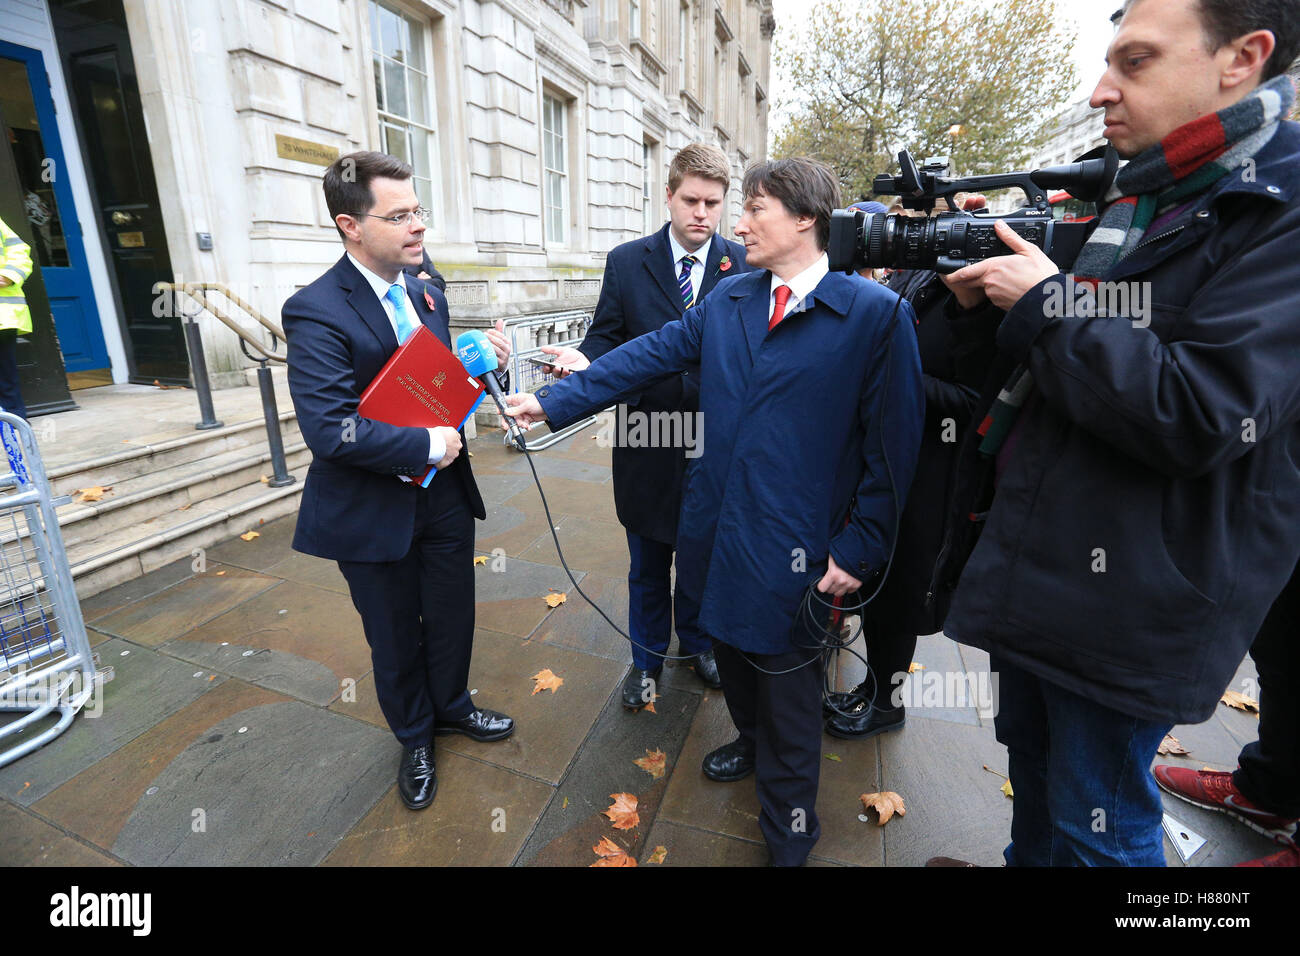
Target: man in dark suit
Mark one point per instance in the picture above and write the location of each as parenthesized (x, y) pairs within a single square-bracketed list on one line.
[(406, 552), (813, 407), (649, 282)]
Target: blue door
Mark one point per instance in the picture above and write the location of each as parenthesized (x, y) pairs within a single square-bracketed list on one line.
[(33, 136)]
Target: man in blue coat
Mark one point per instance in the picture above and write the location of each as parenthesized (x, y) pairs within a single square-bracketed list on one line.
[(406, 551), (648, 283), (812, 406)]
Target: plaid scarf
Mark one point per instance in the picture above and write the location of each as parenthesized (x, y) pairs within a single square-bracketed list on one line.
[(1182, 165)]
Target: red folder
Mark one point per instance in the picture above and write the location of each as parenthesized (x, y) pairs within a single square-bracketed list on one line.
[(423, 385)]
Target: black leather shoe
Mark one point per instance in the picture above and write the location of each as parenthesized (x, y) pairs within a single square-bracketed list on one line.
[(417, 779), (640, 687), (866, 722), (706, 669), (729, 763), (845, 701), (483, 725)]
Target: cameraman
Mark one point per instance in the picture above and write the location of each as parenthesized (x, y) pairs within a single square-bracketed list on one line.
[(1146, 461), (955, 356)]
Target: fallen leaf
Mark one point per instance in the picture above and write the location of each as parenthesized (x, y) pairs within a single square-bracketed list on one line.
[(94, 493), (659, 855), (913, 667), (1006, 788), (265, 479), (994, 772), (480, 559), (555, 599), (650, 706), (836, 757), (652, 763), (623, 811), (611, 854), (1240, 701), (220, 573), (158, 384), (885, 803), (546, 681), (249, 536), (565, 805), (1171, 745), (186, 506)]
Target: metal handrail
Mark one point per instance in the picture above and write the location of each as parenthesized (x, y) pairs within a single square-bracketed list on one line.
[(198, 292)]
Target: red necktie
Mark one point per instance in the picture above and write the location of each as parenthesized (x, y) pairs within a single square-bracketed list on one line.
[(782, 297)]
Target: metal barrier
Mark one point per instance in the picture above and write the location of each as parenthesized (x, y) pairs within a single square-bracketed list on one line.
[(527, 337), (46, 664)]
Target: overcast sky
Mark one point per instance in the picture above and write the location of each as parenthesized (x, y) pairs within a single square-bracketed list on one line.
[(1091, 18)]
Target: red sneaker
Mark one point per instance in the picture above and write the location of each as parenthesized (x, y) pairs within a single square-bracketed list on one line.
[(1214, 790), (1288, 857)]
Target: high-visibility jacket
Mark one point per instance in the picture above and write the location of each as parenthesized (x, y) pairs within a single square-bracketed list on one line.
[(16, 266)]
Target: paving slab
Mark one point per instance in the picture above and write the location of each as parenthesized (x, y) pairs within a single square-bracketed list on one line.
[(146, 688), (96, 803), (549, 726), (955, 807), (276, 784), (577, 625), (594, 546), (1227, 841), (182, 607), (512, 601), (26, 840), (116, 598), (274, 542), (294, 638), (566, 496), (575, 819), (307, 569), (584, 445), (596, 473), (511, 529), (479, 817)]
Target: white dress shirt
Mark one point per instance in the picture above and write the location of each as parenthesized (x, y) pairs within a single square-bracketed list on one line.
[(680, 252), (801, 286), (437, 444)]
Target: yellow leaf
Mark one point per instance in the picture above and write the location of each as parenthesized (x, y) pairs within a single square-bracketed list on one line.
[(546, 681), (1006, 788), (565, 805), (220, 573), (650, 706), (480, 559), (611, 854), (1240, 701), (622, 812), (94, 493), (913, 667), (886, 804), (835, 757), (265, 479), (659, 855), (249, 536), (652, 763), (1172, 745), (555, 599)]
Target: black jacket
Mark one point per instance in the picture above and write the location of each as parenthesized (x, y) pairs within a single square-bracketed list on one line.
[(1150, 510), (953, 369), (639, 294)]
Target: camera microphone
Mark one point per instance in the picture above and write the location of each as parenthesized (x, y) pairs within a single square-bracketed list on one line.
[(475, 352)]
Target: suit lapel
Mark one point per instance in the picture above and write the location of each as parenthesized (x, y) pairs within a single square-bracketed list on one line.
[(362, 298), (658, 261), (436, 322), (712, 264)]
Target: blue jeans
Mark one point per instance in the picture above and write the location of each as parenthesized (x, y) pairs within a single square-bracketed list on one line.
[(1081, 773), (652, 603)]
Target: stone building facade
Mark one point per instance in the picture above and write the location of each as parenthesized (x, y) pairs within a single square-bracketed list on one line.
[(540, 131)]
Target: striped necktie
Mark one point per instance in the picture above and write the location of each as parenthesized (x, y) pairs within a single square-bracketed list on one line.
[(684, 281), (405, 324)]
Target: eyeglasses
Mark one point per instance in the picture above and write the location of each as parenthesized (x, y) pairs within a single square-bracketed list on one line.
[(404, 219)]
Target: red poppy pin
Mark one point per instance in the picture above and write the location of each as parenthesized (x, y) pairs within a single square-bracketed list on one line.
[(725, 264), (428, 300)]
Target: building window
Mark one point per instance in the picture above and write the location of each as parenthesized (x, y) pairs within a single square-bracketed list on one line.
[(633, 20), (651, 218), (404, 94), (555, 185), (683, 38)]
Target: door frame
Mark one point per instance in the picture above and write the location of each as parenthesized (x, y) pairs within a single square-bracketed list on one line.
[(38, 79)]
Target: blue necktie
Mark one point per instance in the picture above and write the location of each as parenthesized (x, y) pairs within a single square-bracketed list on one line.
[(684, 281), (405, 324)]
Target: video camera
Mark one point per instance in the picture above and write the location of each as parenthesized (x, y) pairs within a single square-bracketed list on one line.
[(951, 240)]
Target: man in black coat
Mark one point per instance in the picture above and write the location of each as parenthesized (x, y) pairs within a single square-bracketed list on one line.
[(1139, 496), (648, 283)]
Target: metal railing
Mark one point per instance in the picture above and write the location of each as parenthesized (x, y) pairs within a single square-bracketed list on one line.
[(527, 336), (46, 664), (198, 292)]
